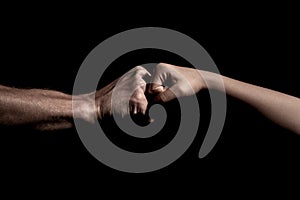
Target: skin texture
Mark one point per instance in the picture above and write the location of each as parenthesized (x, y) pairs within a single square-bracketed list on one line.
[(53, 110), (281, 108)]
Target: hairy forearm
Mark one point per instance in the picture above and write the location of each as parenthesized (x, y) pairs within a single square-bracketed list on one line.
[(52, 110), (41, 109), (281, 108)]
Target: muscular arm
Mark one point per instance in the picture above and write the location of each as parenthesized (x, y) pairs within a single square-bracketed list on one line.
[(52, 110), (43, 109)]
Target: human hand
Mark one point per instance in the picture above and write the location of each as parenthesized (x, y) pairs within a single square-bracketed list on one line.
[(124, 95), (184, 82)]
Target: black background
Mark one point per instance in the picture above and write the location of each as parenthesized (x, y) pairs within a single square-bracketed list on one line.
[(44, 47)]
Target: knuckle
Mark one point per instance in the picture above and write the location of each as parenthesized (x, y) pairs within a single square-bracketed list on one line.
[(137, 68), (139, 96), (140, 71), (162, 65)]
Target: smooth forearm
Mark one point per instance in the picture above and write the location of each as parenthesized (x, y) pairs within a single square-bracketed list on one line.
[(281, 108)]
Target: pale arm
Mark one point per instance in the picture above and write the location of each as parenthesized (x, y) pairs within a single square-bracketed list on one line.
[(281, 108)]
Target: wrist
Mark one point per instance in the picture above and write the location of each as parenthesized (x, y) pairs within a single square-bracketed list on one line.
[(212, 80), (103, 104), (84, 107)]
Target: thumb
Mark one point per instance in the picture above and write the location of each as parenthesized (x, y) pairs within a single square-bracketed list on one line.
[(160, 75), (168, 94)]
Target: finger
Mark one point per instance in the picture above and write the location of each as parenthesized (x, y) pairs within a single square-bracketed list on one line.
[(165, 96), (157, 82), (143, 72), (135, 110), (155, 88), (131, 108), (160, 75), (144, 108), (141, 107), (140, 71), (168, 95), (137, 72)]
